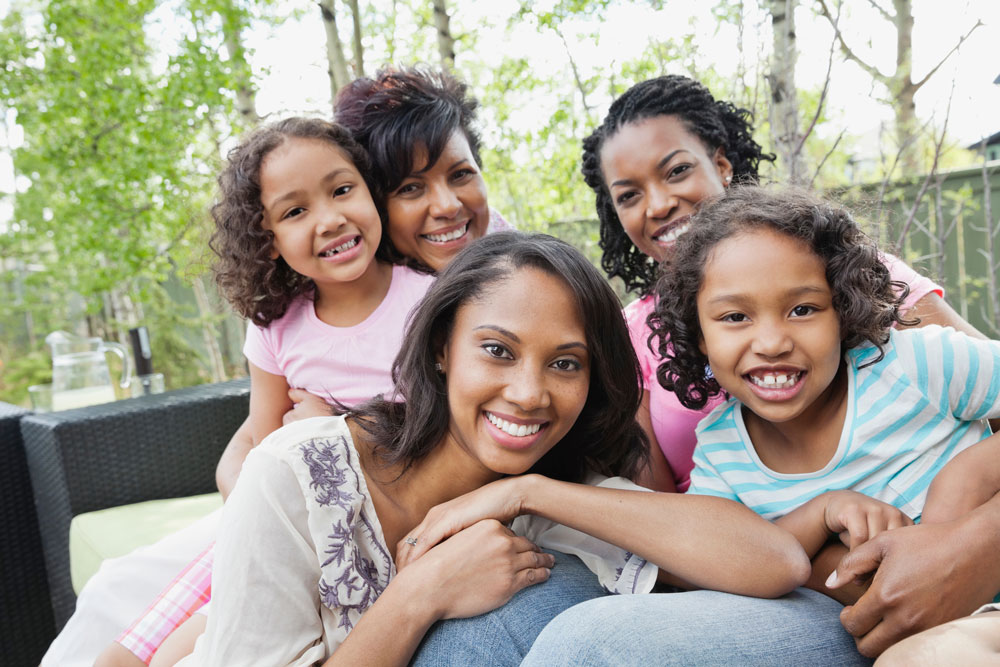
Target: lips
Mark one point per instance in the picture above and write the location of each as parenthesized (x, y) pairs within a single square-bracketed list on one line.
[(668, 234), (775, 384), (513, 428), (449, 234), (340, 246)]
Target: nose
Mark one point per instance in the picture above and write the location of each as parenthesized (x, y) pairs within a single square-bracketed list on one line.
[(443, 202), (660, 202), (526, 388), (771, 341), (329, 218)]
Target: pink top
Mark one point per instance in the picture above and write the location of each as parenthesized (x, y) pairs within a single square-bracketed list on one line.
[(351, 364), (673, 424)]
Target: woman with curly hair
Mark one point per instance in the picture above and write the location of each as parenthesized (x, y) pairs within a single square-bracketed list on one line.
[(665, 146)]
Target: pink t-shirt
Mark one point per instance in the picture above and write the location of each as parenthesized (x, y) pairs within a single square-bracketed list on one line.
[(351, 364), (673, 424)]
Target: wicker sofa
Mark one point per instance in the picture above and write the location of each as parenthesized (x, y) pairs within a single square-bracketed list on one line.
[(161, 446)]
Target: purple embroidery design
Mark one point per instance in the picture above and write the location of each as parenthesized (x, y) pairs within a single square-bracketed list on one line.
[(335, 482)]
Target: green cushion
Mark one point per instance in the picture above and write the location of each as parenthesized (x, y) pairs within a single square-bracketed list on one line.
[(116, 531)]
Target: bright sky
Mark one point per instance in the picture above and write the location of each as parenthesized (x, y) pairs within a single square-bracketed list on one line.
[(291, 69)]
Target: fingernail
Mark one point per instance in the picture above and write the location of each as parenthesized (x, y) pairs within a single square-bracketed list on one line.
[(831, 581)]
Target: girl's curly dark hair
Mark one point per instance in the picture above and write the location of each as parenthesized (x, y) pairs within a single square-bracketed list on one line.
[(260, 288), (865, 297), (715, 122), (397, 112)]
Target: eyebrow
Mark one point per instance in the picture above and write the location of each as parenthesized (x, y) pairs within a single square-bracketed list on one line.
[(514, 337), (659, 165), (296, 193), (794, 293)]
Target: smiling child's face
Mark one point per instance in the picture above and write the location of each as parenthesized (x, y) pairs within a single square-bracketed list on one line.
[(769, 329)]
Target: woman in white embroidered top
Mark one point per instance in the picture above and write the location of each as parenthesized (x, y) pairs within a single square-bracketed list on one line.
[(518, 360)]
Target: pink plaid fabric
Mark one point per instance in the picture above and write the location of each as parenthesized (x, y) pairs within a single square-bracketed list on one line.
[(186, 594)]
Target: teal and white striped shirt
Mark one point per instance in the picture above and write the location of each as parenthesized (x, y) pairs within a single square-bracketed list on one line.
[(907, 416)]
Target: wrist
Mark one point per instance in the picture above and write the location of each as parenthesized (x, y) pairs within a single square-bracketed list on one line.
[(415, 583), (528, 490)]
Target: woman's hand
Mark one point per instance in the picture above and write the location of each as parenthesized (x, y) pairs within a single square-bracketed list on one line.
[(924, 575), (304, 406), (858, 518), (500, 500), (477, 570)]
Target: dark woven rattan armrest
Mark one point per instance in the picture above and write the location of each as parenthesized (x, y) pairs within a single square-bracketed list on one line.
[(161, 446)]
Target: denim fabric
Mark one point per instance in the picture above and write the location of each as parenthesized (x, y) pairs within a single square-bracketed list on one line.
[(698, 628), (503, 636)]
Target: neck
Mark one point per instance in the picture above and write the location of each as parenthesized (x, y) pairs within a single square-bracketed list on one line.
[(345, 304), (446, 472)]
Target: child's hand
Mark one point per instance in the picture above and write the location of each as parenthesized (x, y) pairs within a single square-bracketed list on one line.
[(858, 518), (498, 500), (305, 405)]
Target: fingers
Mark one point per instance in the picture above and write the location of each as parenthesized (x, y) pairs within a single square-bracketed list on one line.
[(877, 640), (857, 564), (857, 524)]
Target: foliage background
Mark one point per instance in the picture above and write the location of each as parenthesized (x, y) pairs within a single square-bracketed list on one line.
[(116, 115)]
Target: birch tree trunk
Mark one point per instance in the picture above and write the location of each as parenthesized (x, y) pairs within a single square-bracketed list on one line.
[(336, 64), (359, 53), (208, 336), (784, 107), (446, 44)]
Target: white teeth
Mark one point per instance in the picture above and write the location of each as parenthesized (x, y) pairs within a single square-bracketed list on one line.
[(341, 248), (779, 381), (517, 430), (673, 234), (450, 236)]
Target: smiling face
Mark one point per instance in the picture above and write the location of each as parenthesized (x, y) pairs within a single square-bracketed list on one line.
[(316, 204), (657, 172), (517, 370), (769, 329), (438, 211)]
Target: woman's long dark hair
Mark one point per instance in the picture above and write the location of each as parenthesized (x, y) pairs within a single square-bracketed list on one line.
[(715, 122), (605, 437)]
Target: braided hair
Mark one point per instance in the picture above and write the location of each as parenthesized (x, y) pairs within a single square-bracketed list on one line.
[(717, 123)]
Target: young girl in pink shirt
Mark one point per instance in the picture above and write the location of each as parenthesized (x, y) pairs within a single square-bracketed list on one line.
[(302, 256)]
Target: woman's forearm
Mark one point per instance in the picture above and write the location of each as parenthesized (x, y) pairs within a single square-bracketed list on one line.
[(391, 629), (710, 542)]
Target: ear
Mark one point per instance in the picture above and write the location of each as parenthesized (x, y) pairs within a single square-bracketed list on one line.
[(723, 165), (274, 251)]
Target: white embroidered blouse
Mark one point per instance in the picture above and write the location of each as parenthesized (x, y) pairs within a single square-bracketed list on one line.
[(301, 554)]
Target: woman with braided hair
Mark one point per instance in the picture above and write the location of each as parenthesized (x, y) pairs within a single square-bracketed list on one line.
[(665, 146)]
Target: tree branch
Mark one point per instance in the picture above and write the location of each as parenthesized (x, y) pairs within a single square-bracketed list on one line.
[(922, 81), (846, 50), (886, 15)]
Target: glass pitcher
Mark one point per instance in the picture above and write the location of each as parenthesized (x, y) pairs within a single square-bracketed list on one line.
[(80, 374)]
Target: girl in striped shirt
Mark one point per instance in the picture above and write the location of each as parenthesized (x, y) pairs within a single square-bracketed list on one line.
[(837, 427)]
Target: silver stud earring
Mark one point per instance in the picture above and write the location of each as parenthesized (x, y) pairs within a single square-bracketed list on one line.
[(438, 367), (728, 178)]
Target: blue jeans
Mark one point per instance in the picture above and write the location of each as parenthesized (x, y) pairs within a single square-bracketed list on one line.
[(503, 636), (698, 628)]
